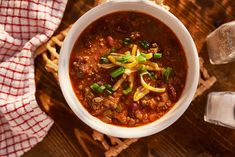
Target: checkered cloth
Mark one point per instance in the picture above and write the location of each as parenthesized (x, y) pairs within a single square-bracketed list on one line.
[(24, 25)]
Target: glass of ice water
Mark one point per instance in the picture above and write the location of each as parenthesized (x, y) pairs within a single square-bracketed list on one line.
[(220, 109), (221, 44)]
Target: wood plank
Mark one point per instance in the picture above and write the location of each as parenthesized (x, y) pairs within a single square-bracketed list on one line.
[(55, 145)]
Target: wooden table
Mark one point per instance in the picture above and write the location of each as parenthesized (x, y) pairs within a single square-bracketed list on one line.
[(189, 136)]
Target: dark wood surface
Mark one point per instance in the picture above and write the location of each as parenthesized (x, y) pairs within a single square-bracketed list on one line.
[(189, 136)]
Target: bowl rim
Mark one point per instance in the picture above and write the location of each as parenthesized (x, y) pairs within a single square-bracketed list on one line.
[(118, 131)]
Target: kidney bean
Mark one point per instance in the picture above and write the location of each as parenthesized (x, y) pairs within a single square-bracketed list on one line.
[(172, 93), (131, 110), (110, 41)]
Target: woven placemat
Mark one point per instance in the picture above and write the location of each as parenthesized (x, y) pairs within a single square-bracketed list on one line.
[(50, 54)]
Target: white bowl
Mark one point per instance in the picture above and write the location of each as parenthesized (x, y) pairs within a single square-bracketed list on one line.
[(159, 13)]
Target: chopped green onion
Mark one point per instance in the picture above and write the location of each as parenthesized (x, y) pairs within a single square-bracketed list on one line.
[(166, 73), (140, 58), (157, 55), (104, 59), (115, 73), (101, 89), (124, 59), (142, 69), (96, 88), (127, 41), (127, 91), (109, 88), (109, 92), (144, 44)]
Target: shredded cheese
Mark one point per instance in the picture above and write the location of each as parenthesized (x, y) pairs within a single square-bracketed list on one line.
[(132, 65)]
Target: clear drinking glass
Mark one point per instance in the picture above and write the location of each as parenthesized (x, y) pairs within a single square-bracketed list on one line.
[(221, 44), (220, 109)]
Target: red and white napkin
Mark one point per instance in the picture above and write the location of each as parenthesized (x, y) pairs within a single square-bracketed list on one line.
[(24, 25)]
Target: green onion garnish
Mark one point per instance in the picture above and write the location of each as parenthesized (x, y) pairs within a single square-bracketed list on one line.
[(144, 44), (104, 59), (157, 55), (101, 89), (140, 58), (124, 58), (115, 73), (142, 69), (109, 88), (127, 91), (127, 41), (97, 88), (166, 73)]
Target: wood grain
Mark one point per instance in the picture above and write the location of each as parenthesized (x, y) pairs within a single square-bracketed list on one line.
[(189, 136)]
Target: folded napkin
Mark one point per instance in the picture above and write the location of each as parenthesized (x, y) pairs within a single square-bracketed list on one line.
[(24, 25)]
